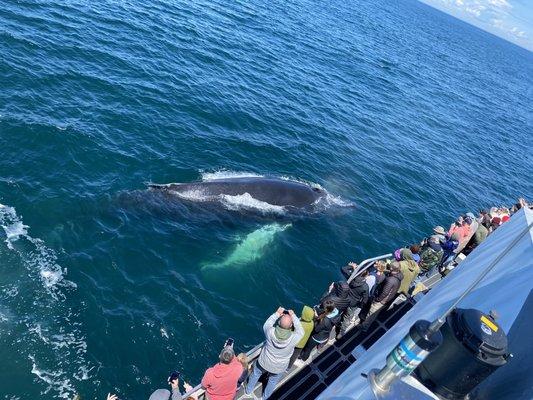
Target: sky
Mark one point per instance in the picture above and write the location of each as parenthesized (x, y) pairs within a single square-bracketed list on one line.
[(509, 19)]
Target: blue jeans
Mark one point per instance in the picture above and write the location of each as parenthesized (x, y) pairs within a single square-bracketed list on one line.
[(273, 380)]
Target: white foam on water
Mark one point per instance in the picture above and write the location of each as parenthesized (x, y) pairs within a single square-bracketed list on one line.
[(11, 291), (164, 333), (226, 174), (38, 331), (196, 321), (51, 278), (12, 225), (193, 195), (303, 181), (51, 274), (246, 201), (83, 373), (3, 318), (14, 231), (53, 342), (54, 380), (42, 258), (338, 201), (328, 200)]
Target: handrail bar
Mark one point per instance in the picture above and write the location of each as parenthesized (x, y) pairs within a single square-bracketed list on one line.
[(363, 265)]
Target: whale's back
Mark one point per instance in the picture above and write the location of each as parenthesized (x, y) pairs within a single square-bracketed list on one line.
[(274, 191)]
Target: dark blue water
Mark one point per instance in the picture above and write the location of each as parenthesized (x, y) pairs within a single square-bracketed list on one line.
[(402, 110)]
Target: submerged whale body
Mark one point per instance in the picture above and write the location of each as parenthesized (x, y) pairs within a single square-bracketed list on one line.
[(273, 191), (250, 248)]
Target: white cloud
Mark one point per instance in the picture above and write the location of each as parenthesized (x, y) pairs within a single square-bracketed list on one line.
[(473, 10), (496, 16), (517, 32), (500, 3), (497, 23)]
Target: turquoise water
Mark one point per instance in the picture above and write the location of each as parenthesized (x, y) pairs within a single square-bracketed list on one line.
[(409, 114)]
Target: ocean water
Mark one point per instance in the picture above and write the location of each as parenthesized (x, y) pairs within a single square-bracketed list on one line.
[(403, 111)]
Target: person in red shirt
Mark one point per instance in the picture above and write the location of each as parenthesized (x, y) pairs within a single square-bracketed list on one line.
[(457, 227), (221, 380)]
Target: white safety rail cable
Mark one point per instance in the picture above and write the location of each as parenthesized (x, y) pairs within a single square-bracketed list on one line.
[(437, 324)]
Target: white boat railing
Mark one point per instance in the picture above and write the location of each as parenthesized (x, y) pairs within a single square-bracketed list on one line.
[(366, 264), (199, 393), (253, 354)]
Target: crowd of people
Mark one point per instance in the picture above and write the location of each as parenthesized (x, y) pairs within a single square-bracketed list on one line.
[(290, 340)]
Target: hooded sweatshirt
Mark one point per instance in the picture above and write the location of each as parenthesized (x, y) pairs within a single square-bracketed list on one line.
[(308, 324), (359, 291), (276, 354), (220, 381), (410, 270), (324, 326), (340, 296)]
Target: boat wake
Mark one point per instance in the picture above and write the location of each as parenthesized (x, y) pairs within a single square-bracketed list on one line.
[(33, 299)]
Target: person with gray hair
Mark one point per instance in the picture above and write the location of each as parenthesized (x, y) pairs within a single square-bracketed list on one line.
[(283, 330), (221, 380), (162, 394)]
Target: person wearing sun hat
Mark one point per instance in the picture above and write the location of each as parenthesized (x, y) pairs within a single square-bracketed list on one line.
[(439, 230), (438, 234), (283, 330)]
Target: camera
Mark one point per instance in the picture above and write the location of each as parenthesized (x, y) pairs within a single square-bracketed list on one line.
[(286, 312), (229, 342), (173, 376)]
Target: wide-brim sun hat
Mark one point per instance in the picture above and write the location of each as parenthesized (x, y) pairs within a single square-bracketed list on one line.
[(439, 229)]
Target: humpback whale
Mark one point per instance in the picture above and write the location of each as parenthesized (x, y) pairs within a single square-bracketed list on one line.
[(273, 191), (250, 248)]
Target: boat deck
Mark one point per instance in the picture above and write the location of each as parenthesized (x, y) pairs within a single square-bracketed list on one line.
[(307, 381)]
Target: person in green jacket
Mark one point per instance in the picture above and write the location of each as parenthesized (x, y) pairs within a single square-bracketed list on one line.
[(307, 320), (410, 271), (479, 236)]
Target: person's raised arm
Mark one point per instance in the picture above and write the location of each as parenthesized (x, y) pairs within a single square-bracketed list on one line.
[(176, 395), (269, 323), (348, 269), (189, 388)]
